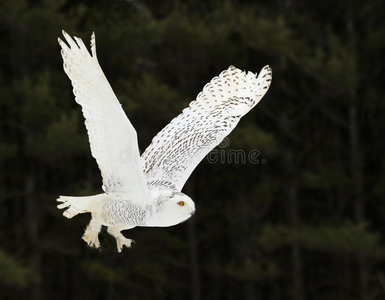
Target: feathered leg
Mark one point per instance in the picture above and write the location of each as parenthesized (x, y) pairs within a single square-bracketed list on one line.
[(91, 235), (121, 241)]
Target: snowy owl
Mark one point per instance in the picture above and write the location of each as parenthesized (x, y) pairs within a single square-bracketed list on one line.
[(146, 190)]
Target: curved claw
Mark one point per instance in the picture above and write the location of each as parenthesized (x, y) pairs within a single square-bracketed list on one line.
[(122, 241)]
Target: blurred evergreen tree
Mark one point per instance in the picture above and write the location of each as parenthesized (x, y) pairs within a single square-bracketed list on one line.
[(303, 218)]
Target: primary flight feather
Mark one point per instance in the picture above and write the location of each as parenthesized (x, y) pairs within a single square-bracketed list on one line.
[(146, 190)]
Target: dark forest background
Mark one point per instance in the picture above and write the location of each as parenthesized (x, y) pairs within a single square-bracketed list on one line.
[(305, 219)]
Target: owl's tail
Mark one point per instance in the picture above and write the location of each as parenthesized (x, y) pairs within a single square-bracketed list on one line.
[(80, 205)]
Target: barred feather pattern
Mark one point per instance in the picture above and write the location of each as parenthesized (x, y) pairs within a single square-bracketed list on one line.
[(119, 211), (187, 139)]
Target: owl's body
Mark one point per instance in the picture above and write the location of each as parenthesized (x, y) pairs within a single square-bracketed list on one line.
[(118, 212), (146, 190)]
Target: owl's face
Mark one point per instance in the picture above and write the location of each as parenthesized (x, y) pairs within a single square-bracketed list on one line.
[(171, 209)]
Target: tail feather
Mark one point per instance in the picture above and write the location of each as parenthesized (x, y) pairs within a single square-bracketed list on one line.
[(80, 205)]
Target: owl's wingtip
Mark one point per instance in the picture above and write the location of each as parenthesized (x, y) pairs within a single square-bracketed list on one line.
[(93, 44)]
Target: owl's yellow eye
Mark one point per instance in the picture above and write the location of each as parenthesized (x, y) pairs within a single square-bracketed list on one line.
[(180, 203)]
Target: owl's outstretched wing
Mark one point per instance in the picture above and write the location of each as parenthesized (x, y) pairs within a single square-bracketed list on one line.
[(187, 139), (113, 139)]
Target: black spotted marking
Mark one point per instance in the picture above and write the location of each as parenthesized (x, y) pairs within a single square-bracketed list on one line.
[(200, 128)]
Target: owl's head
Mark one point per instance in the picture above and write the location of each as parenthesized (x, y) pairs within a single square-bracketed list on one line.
[(170, 208)]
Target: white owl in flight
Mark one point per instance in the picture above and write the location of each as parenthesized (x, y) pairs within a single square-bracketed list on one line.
[(146, 190)]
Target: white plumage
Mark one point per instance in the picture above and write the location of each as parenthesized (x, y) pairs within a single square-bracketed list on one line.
[(146, 190)]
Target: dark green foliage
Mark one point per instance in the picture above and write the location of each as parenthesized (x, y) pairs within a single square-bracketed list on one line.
[(291, 206), (12, 273)]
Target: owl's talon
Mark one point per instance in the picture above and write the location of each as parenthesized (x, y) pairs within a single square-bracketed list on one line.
[(91, 235), (122, 241), (91, 239)]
